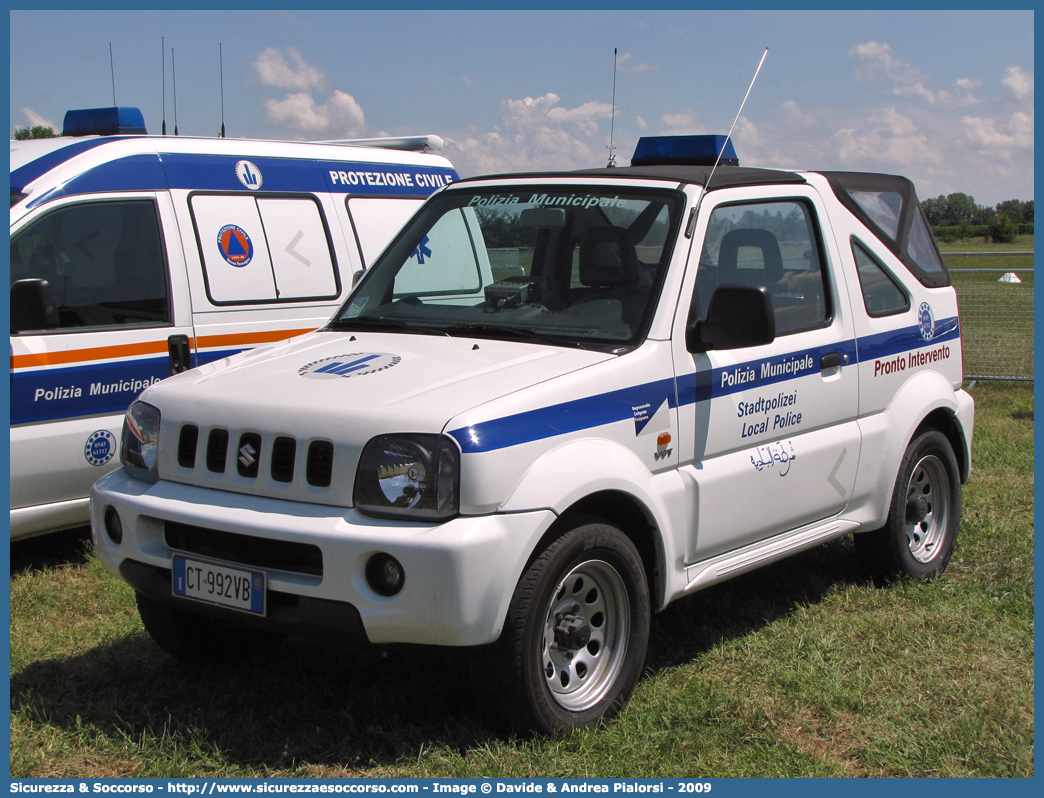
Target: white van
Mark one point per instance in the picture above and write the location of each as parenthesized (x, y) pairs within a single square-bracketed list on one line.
[(134, 257)]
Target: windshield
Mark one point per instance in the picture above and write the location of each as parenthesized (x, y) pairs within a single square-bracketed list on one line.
[(567, 265)]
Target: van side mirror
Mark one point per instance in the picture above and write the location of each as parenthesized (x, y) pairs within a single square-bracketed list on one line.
[(739, 316), (33, 306)]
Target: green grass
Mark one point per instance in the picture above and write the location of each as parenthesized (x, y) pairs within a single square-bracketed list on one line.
[(800, 669)]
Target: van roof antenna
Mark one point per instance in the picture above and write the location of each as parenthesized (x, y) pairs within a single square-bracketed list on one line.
[(174, 78), (612, 118), (113, 73), (692, 216), (163, 72), (221, 66)]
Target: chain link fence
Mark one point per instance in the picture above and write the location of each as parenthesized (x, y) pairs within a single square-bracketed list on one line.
[(996, 313)]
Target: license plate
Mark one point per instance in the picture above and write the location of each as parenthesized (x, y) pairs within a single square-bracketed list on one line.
[(221, 584)]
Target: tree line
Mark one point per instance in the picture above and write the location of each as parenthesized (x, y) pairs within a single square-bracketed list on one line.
[(956, 216)]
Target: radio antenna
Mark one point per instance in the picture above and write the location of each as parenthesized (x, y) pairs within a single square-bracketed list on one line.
[(221, 66), (112, 72), (612, 118), (692, 217), (163, 72), (174, 78)]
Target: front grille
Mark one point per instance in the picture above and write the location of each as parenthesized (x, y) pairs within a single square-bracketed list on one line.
[(320, 464), (279, 555), (284, 452), (187, 443), (217, 450)]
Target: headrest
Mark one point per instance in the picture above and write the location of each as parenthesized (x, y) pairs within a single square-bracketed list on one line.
[(728, 252), (608, 258)]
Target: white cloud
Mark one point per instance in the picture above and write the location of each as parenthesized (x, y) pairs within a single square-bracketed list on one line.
[(797, 116), (907, 80), (342, 116), (624, 65), (983, 133), (888, 138), (273, 70), (534, 133), (686, 123), (35, 119), (642, 124), (1019, 82)]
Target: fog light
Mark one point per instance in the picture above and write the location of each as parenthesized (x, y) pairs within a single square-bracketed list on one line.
[(113, 525), (384, 575)]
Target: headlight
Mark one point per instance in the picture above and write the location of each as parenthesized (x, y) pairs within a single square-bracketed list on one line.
[(140, 449), (409, 476)]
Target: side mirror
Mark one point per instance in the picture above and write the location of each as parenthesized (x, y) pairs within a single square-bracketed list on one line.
[(33, 306), (739, 316)]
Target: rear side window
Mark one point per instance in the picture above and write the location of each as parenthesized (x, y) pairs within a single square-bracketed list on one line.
[(882, 295), (258, 249), (772, 245), (103, 260)]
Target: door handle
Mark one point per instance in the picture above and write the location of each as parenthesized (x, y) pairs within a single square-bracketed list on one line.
[(180, 354), (829, 361)]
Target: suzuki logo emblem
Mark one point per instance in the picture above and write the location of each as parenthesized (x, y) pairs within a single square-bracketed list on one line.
[(247, 455)]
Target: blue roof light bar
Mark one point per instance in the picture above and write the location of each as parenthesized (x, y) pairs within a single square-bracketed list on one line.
[(104, 122), (684, 151)]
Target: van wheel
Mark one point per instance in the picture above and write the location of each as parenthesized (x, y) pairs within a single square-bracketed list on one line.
[(197, 638), (574, 641), (921, 532)]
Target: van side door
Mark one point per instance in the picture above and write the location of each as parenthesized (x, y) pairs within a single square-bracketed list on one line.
[(121, 304)]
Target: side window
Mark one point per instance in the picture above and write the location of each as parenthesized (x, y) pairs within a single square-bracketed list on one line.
[(376, 220), (450, 259), (770, 244), (263, 249), (882, 296), (104, 262)]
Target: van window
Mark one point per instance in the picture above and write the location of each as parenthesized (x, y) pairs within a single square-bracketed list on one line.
[(103, 260), (376, 220), (263, 249), (772, 245)]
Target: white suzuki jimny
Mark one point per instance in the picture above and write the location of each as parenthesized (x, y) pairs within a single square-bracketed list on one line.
[(555, 404)]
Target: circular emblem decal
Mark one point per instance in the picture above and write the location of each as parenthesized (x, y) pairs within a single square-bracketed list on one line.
[(249, 175), (354, 365), (100, 448), (235, 245), (926, 321)]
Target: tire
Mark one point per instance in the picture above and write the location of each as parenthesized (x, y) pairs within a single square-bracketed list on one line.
[(196, 638), (919, 537), (576, 632)]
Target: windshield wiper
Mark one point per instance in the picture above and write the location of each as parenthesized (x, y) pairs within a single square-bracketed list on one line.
[(384, 325), (511, 333)]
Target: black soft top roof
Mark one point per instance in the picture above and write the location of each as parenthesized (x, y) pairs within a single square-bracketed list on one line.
[(724, 176)]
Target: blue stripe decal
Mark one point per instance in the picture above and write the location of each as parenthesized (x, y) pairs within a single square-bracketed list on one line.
[(607, 408), (547, 422), (23, 176), (65, 393), (149, 172), (134, 173)]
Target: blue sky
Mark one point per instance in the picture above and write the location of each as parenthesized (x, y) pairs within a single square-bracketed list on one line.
[(943, 97)]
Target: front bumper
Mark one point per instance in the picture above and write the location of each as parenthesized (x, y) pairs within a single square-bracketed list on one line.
[(459, 575)]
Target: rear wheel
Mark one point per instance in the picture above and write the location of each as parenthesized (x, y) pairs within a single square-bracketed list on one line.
[(577, 629), (921, 532), (197, 638)]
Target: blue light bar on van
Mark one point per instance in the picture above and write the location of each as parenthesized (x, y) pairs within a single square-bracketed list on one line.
[(684, 150), (104, 122)]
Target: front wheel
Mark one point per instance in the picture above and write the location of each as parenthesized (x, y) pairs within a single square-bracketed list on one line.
[(577, 629), (921, 532)]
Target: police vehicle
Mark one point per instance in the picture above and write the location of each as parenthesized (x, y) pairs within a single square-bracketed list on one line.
[(136, 256), (555, 404)]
